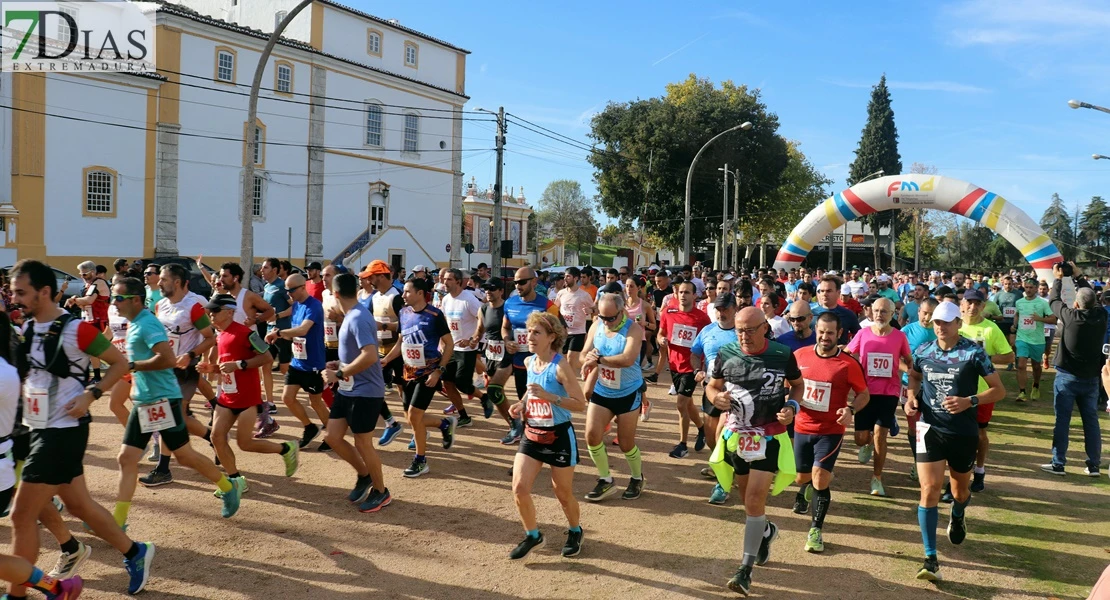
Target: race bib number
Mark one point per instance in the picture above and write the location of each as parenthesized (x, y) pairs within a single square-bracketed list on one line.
[(453, 325), (817, 395), (175, 342), (569, 318), (922, 429), (384, 334), (36, 407), (1009, 312), (539, 413), (495, 350), (683, 335), (609, 377), (1027, 323), (752, 446), (521, 338), (300, 351), (347, 384), (331, 332), (904, 396), (880, 365), (413, 355), (87, 314), (228, 384), (156, 417), (121, 345)]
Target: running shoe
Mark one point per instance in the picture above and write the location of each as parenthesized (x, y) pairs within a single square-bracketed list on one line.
[(616, 441), (390, 434), (525, 546), (138, 568), (156, 478), (412, 441), (1010, 367), (977, 483), (416, 469), (231, 499), (154, 448), (634, 489), (957, 529), (323, 447), (699, 442), (361, 491), (487, 406), (765, 546), (447, 428), (1035, 394), (897, 428), (877, 488), (58, 503), (450, 410), (719, 495), (1054, 469), (930, 571), (244, 487), (802, 498), (708, 473), (864, 454), (68, 564), (741, 582), (1021, 397), (376, 501), (679, 451), (1089, 472), (309, 434), (574, 543), (645, 410), (68, 589), (271, 408), (601, 491), (653, 378), (268, 427), (466, 421), (291, 458), (814, 543), (671, 392), (514, 434), (946, 495)]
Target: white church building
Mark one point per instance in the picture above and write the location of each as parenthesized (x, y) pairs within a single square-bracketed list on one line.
[(360, 155)]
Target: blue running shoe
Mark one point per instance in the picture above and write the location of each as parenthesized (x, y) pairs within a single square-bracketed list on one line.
[(138, 568), (231, 499), (390, 434)]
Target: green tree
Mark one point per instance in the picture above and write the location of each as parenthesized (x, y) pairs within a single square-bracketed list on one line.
[(1057, 223), (610, 233), (644, 149), (1000, 253), (926, 243), (568, 211), (1094, 224), (878, 149)]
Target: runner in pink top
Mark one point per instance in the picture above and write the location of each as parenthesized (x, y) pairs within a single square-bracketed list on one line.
[(884, 352)]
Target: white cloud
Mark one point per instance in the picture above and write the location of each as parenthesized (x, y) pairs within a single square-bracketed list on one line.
[(683, 47), (921, 86), (1011, 22)]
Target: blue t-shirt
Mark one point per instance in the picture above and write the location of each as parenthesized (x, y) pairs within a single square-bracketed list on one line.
[(918, 335), (954, 372), (144, 332), (710, 340), (275, 295), (310, 310), (791, 340), (358, 330), (517, 311), (424, 328), (910, 311)]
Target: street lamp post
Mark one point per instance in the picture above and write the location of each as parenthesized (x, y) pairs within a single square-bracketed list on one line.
[(246, 201), (730, 224), (746, 125), (1098, 156), (1077, 104)]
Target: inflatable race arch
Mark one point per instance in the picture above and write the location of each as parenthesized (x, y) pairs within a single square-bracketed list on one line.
[(922, 191)]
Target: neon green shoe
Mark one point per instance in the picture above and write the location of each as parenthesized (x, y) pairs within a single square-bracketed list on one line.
[(1021, 397), (814, 543), (244, 487), (1035, 394), (291, 458)]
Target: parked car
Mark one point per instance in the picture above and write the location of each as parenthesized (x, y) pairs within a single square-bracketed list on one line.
[(198, 283), (74, 284)]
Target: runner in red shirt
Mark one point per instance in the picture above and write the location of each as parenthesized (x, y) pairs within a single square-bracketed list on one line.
[(314, 284), (677, 331), (828, 372), (241, 353)]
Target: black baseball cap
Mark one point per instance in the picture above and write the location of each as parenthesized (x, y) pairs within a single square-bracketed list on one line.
[(222, 302), (973, 295), (494, 283), (313, 265)]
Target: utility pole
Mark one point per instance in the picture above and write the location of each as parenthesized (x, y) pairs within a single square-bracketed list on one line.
[(499, 183), (917, 239), (719, 254), (844, 250), (893, 240), (736, 218)]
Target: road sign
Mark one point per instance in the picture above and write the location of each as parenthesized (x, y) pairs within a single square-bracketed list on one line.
[(448, 247)]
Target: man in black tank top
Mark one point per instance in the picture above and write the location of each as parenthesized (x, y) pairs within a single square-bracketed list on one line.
[(498, 362)]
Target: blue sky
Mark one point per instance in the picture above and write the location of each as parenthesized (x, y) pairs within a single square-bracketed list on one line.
[(979, 87)]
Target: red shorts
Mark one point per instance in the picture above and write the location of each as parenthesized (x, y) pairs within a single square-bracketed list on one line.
[(984, 415)]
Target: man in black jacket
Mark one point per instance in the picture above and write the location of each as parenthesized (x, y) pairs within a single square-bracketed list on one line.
[(1078, 362)]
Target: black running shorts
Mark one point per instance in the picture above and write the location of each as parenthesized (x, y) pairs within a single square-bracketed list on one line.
[(361, 414)]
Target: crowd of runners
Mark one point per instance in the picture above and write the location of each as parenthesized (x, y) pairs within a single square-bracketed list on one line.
[(784, 364)]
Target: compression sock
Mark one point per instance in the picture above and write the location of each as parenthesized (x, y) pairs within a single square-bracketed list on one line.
[(42, 582), (753, 538), (820, 506), (120, 513), (388, 416), (163, 463), (496, 394), (71, 545), (927, 520), (224, 484), (601, 460), (635, 465), (959, 507), (534, 533)]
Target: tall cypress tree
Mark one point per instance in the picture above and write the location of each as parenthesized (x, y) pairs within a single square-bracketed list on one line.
[(878, 149)]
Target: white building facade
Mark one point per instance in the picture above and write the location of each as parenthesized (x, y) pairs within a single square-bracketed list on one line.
[(360, 122)]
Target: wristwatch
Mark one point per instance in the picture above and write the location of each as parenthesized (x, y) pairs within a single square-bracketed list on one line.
[(974, 401), (131, 366), (339, 374), (96, 392), (242, 365)]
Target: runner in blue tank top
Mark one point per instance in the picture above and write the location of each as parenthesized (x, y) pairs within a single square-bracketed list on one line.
[(552, 392), (515, 328), (615, 381)]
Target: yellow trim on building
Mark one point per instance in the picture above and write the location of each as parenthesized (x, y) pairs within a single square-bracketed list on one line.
[(460, 73), (216, 64), (28, 192), (416, 55), (381, 40), (150, 169), (169, 58), (387, 161), (316, 37), (292, 72), (261, 164), (85, 212)]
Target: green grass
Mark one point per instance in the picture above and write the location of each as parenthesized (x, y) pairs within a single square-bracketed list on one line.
[(602, 255)]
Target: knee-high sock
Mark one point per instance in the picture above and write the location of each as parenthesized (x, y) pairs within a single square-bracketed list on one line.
[(821, 506), (927, 520), (601, 460), (753, 537), (635, 465)]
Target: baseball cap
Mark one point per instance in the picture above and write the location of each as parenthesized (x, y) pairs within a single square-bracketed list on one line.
[(314, 265), (724, 301), (494, 283), (946, 312), (884, 277), (222, 302), (973, 295), (419, 268), (376, 267), (846, 289)]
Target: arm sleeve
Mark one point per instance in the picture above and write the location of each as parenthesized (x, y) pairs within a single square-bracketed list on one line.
[(90, 340), (198, 316)]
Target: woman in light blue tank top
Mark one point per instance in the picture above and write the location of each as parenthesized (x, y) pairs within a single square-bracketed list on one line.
[(615, 381), (552, 392)]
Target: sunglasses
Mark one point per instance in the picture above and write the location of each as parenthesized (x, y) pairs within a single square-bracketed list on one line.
[(608, 319), (293, 289), (122, 297), (149, 273), (797, 319), (522, 281)]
